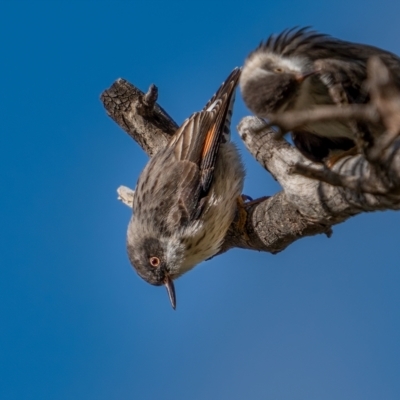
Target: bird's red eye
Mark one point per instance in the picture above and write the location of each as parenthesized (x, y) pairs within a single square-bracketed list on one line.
[(154, 261)]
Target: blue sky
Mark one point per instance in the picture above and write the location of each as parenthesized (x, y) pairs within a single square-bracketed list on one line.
[(318, 321)]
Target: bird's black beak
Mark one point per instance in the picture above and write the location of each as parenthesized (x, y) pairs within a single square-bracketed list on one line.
[(300, 77), (169, 284)]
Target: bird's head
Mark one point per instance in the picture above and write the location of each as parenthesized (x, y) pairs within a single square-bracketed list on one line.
[(156, 260), (270, 82)]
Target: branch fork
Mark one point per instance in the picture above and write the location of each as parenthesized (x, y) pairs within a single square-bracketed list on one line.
[(314, 198)]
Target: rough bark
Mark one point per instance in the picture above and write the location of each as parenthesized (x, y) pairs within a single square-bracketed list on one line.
[(313, 198), (139, 115)]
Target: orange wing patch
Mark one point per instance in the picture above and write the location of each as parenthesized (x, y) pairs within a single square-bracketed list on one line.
[(210, 140)]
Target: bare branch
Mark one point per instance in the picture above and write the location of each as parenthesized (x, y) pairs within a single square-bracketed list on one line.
[(339, 193), (150, 98), (313, 198), (136, 113), (126, 195), (291, 120)]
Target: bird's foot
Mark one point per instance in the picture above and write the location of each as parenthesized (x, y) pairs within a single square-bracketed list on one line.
[(242, 215), (243, 204)]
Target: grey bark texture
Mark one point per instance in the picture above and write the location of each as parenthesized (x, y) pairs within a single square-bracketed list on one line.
[(314, 198)]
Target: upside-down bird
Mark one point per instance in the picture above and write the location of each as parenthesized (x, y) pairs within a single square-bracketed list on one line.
[(186, 197), (300, 69)]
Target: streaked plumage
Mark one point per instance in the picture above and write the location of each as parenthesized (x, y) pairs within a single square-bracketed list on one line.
[(300, 69), (185, 198)]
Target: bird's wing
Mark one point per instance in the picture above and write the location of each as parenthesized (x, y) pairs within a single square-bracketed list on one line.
[(353, 52), (199, 137), (194, 149)]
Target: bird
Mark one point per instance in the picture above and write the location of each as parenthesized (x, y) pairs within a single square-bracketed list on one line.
[(187, 195), (300, 69)]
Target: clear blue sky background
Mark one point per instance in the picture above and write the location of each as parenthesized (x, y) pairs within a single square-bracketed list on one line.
[(318, 321)]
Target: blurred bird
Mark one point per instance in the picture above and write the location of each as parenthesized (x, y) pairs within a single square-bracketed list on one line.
[(186, 197), (300, 69)]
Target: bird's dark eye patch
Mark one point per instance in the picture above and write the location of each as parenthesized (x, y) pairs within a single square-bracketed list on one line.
[(279, 70), (154, 262)]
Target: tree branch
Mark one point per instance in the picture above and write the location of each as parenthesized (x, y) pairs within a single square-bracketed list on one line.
[(306, 206), (139, 115)]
